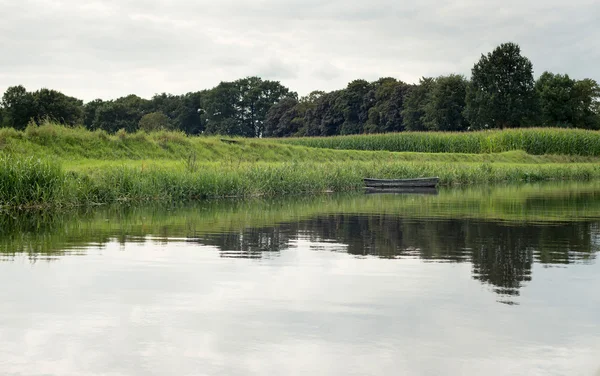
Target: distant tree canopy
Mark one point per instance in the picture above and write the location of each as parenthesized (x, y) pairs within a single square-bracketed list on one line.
[(500, 93), (155, 121)]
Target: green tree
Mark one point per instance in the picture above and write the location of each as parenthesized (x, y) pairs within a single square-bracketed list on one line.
[(240, 107), (586, 95), (54, 105), (557, 99), (219, 105), (89, 112), (444, 107), (122, 113), (386, 113), (356, 104), (415, 103), (256, 97), (283, 119), (326, 116), (19, 107), (155, 121), (190, 114), (501, 93)]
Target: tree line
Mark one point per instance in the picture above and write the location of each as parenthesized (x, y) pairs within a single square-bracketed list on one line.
[(501, 93)]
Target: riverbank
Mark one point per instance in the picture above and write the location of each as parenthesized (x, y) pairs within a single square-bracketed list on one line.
[(56, 166)]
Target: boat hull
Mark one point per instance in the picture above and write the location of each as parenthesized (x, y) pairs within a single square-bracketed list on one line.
[(401, 183), (402, 191)]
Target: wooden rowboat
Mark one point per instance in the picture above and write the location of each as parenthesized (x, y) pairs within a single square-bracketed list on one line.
[(401, 183), (403, 191)]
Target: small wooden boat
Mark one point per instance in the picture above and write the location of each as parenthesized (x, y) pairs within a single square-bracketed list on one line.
[(401, 183), (403, 191)]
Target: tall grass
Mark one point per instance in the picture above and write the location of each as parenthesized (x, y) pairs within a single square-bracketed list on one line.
[(31, 182), (537, 141)]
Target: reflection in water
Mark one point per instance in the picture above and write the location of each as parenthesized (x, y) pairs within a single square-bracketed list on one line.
[(502, 254), (500, 231), (335, 285)]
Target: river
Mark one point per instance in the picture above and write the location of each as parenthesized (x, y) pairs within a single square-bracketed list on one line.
[(478, 281)]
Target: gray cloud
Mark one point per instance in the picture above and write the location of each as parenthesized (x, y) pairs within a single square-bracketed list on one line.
[(112, 48)]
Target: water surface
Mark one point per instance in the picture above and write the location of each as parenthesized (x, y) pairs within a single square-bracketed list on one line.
[(493, 281)]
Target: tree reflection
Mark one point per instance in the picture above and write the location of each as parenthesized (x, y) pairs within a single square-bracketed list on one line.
[(502, 254)]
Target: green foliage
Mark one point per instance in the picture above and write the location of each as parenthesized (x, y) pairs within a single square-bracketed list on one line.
[(155, 121), (282, 120), (443, 110), (537, 141), (501, 93), (326, 116), (40, 183), (587, 103), (18, 107), (355, 102), (29, 181), (386, 113), (102, 168), (240, 108), (556, 97), (54, 105), (89, 112), (415, 104)]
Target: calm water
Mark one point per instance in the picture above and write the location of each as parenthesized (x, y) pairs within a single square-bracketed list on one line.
[(487, 281)]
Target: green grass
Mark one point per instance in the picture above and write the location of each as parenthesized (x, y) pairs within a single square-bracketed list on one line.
[(535, 141), (51, 165), (45, 183), (77, 145)]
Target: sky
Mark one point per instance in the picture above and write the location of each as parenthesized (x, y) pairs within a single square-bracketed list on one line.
[(111, 48)]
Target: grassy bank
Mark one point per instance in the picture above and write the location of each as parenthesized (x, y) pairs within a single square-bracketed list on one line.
[(52, 165), (34, 182), (535, 141), (76, 145)]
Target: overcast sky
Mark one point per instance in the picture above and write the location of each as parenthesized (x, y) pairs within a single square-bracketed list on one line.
[(110, 48)]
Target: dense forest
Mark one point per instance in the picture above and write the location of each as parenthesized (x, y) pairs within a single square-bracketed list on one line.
[(501, 93)]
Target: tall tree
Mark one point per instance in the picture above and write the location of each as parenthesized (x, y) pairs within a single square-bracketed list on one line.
[(282, 120), (122, 113), (19, 107), (326, 116), (445, 104), (557, 99), (89, 112), (386, 113), (256, 96), (356, 104), (586, 94), (220, 109), (155, 121), (415, 103), (54, 105), (190, 114), (501, 93)]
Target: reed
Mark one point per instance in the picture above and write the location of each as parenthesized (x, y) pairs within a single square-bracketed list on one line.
[(33, 182)]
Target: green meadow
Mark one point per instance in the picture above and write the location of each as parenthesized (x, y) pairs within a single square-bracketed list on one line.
[(53, 165)]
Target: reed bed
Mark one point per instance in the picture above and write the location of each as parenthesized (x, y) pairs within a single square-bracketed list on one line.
[(26, 182)]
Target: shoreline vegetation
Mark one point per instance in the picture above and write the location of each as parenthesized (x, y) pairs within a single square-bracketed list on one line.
[(50, 165)]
